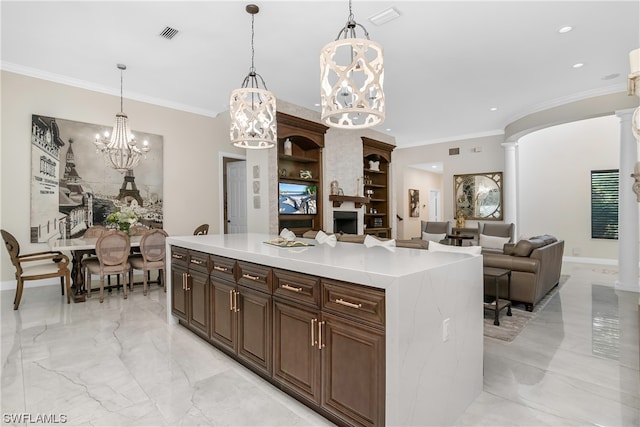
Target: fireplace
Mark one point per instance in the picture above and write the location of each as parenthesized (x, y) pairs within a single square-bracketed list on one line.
[(345, 222)]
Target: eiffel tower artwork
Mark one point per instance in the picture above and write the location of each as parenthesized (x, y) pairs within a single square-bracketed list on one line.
[(129, 194)]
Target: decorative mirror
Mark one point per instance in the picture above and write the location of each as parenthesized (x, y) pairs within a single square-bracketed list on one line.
[(479, 196)]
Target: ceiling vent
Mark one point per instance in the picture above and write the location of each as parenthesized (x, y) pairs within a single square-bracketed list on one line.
[(168, 33), (384, 16)]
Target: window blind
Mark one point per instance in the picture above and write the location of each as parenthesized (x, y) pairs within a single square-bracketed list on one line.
[(604, 204)]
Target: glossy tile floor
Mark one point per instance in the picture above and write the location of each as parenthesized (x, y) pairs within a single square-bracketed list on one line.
[(119, 363)]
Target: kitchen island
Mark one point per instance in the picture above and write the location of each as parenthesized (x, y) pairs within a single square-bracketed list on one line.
[(419, 311)]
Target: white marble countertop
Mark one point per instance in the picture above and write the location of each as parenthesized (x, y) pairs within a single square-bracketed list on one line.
[(376, 266)]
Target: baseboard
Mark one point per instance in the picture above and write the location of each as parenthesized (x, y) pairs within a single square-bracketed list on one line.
[(582, 260), (12, 284)]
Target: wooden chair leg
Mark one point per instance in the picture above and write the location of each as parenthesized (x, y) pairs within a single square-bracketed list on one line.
[(87, 281), (18, 297), (144, 282), (126, 285), (164, 280), (68, 280), (62, 285), (101, 288)]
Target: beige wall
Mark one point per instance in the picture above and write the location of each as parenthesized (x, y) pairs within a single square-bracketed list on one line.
[(191, 146), (422, 181), (555, 182)]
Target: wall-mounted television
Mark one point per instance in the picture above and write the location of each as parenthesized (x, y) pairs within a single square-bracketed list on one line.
[(297, 199)]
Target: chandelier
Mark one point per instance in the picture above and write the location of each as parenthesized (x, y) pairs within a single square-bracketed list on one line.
[(252, 109), (351, 79), (121, 151)]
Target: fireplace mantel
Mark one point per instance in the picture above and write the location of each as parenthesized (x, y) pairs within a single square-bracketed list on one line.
[(357, 200)]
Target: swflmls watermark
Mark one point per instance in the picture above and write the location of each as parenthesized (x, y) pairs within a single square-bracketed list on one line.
[(27, 418)]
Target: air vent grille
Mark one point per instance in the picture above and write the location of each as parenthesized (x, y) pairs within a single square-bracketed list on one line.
[(168, 33)]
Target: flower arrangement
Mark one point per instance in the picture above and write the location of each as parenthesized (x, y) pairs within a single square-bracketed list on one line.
[(122, 219)]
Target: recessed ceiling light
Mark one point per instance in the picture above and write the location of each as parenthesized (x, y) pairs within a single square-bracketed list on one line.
[(611, 76), (434, 166), (493, 109), (565, 29), (317, 105), (388, 129), (578, 65)]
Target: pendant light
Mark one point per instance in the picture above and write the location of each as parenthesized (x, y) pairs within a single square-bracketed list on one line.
[(351, 80), (252, 109), (121, 151)]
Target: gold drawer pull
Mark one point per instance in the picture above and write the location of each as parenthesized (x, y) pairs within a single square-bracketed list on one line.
[(248, 276), (196, 262), (217, 267), (291, 288), (177, 256), (231, 292), (348, 304), (320, 343), (313, 332)]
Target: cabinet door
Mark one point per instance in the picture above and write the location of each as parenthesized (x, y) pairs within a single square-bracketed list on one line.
[(352, 371), (198, 299), (178, 293), (296, 357), (254, 328), (223, 318)]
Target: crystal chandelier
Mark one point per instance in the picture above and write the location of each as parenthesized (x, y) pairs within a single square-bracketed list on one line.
[(351, 79), (252, 109), (121, 151)]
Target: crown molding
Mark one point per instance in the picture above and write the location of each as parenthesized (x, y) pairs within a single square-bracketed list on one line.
[(82, 84)]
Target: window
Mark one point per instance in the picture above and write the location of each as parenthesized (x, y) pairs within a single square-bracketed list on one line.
[(604, 204)]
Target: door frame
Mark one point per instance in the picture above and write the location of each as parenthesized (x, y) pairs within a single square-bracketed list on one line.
[(222, 186)]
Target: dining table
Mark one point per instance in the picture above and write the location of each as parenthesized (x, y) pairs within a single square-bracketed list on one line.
[(79, 247)]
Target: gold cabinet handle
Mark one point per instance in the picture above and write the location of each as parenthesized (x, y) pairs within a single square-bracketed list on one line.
[(348, 304), (184, 285), (187, 276), (291, 288), (248, 276), (235, 301), (313, 332), (320, 344), (231, 299), (217, 267), (177, 256), (196, 262)]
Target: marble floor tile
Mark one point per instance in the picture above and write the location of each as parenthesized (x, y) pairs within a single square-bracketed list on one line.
[(120, 363)]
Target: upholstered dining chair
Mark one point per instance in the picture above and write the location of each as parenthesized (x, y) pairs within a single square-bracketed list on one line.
[(151, 257), (112, 251), (201, 229), (36, 266)]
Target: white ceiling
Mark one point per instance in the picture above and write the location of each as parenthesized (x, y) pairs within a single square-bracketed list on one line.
[(446, 62)]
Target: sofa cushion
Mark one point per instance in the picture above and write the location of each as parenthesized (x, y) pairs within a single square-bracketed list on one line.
[(525, 246), (493, 242), (546, 238), (431, 237), (439, 247)]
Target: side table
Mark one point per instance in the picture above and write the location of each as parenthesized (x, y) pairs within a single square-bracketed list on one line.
[(498, 304)]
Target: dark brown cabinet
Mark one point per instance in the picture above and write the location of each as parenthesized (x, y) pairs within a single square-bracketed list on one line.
[(302, 169), (377, 217), (320, 340), (190, 301)]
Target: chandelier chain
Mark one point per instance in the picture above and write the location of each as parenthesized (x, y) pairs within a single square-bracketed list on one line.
[(121, 96), (253, 52)]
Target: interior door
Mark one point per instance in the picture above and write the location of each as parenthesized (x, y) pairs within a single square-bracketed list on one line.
[(237, 197), (434, 205)]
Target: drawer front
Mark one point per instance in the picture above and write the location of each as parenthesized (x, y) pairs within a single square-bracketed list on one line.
[(297, 287), (355, 301), (254, 276), (223, 268), (179, 256), (199, 261)]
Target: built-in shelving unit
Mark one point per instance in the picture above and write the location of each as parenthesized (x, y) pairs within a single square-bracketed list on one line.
[(376, 187), (338, 200), (307, 142)]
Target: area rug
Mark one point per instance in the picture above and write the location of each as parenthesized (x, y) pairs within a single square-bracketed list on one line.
[(511, 326)]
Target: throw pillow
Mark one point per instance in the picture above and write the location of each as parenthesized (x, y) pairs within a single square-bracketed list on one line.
[(433, 237), (439, 247), (493, 242)]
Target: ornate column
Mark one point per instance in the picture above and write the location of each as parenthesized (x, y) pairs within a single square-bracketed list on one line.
[(627, 208), (510, 186)]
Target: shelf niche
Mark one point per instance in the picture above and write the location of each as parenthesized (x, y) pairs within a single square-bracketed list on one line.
[(307, 143), (357, 200), (377, 180)]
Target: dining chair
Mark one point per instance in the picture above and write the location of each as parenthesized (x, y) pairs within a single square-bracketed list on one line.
[(36, 266), (201, 229), (112, 251), (138, 230), (94, 231), (151, 257)]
